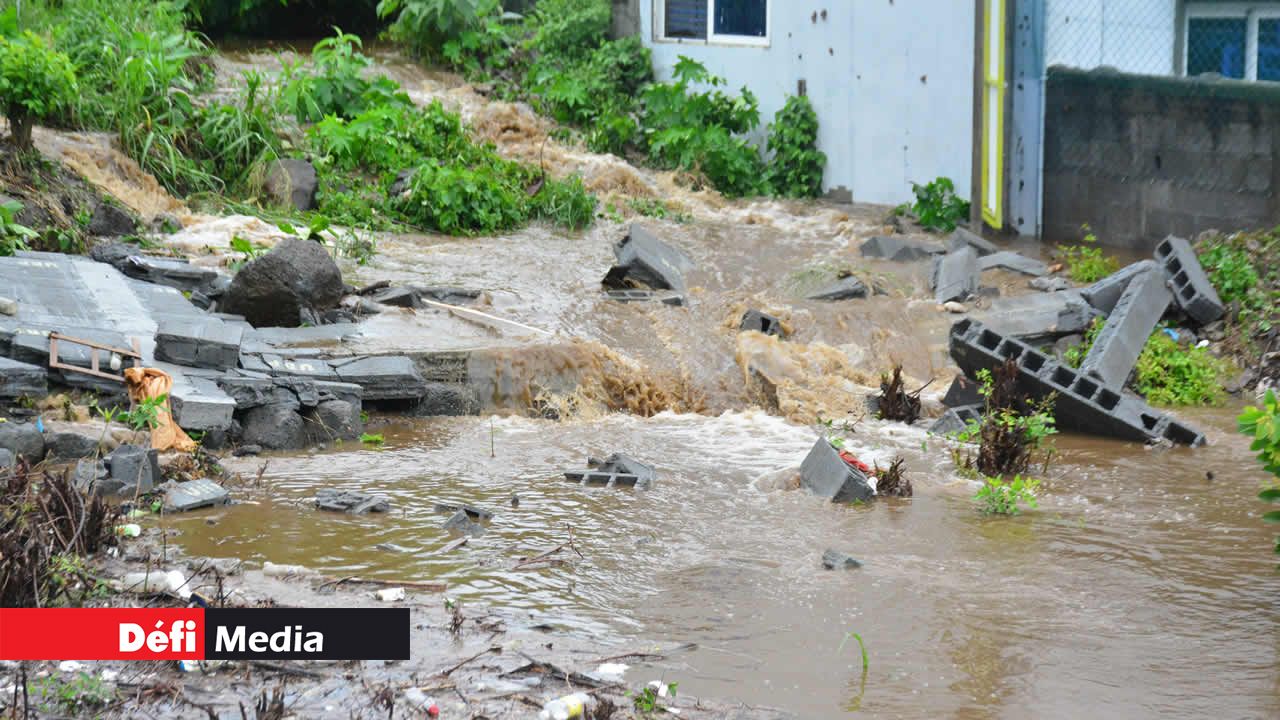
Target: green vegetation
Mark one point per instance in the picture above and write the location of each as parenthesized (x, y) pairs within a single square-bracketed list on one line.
[(937, 207), (1245, 270), (1263, 425), (649, 700), (1012, 430), (80, 693), (998, 497), (13, 235), (1086, 263), (1170, 374), (560, 60), (796, 168), (145, 415), (36, 83), (1075, 356), (374, 439)]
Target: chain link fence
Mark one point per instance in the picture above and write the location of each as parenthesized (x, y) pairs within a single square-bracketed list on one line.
[(1160, 115)]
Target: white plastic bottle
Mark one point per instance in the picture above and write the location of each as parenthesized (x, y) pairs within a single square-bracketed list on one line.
[(568, 707)]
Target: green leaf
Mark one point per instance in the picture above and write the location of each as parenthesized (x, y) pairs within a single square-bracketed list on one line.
[(1270, 494), (1271, 517)]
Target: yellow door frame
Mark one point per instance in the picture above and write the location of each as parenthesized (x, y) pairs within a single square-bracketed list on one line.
[(993, 92)]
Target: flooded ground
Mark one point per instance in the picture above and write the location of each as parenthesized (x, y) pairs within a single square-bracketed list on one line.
[(1140, 588)]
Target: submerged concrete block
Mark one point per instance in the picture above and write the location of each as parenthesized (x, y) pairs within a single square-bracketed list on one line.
[(136, 469), (351, 502), (18, 379), (955, 275), (899, 249), (616, 470), (964, 238), (963, 391), (199, 342), (845, 288), (1016, 262), (194, 494), (1083, 403), (1118, 344), (1191, 287), (629, 296), (383, 378), (1104, 294), (826, 474), (955, 419), (762, 322), (644, 260)]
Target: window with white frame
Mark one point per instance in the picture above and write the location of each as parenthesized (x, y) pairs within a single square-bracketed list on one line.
[(1233, 39), (729, 21)]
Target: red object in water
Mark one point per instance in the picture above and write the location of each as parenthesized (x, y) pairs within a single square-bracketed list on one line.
[(434, 710), (848, 457)]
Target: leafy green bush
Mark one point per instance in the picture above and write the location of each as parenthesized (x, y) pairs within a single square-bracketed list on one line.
[(13, 236), (458, 200), (1075, 356), (569, 28), (1086, 263), (1232, 273), (937, 206), (1263, 425), (565, 202), (426, 25), (334, 84), (36, 82), (390, 138), (999, 497), (1168, 374), (698, 131), (237, 139), (796, 168)]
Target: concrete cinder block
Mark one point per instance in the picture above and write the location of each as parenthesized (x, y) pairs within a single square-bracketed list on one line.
[(963, 391), (826, 474), (956, 419), (846, 288), (1016, 262), (616, 470), (644, 259), (899, 249), (199, 342), (18, 379), (762, 322), (1104, 294), (1191, 287), (955, 275), (1083, 403), (1118, 344), (194, 494), (383, 378)]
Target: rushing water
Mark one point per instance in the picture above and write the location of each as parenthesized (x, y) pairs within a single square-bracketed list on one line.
[(1140, 587)]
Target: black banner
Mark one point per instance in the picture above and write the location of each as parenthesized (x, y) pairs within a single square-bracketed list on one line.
[(306, 634)]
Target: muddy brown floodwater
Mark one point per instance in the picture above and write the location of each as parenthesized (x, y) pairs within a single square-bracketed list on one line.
[(1139, 588)]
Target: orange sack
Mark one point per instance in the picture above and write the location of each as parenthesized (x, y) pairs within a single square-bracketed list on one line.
[(147, 383)]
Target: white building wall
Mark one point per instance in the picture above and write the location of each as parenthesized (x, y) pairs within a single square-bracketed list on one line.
[(1136, 36), (892, 84)]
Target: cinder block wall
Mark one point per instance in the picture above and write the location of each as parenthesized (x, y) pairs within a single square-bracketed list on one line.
[(1139, 157)]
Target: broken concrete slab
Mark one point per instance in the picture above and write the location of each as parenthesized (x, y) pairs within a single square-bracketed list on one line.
[(251, 392), (199, 342), (18, 379), (172, 272), (956, 419), (1049, 284), (1039, 318), (193, 495), (1083, 403), (1192, 289), (845, 288), (1116, 348), (900, 249), (1104, 294), (460, 522), (23, 439), (836, 560), (475, 513), (762, 322), (645, 261), (827, 475), (334, 420), (134, 468), (351, 502), (446, 294), (1016, 262), (955, 275), (197, 402), (383, 377), (396, 297), (615, 470), (962, 237)]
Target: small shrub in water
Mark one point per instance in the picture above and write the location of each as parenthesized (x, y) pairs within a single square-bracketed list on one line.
[(937, 206), (998, 497)]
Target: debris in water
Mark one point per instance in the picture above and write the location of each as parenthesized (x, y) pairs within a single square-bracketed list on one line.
[(827, 473), (764, 323), (394, 594), (350, 502), (834, 559), (462, 523), (644, 261), (891, 481), (894, 402), (617, 469)]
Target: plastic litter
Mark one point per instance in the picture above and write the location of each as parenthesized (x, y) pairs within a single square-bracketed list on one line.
[(147, 383), (1171, 333), (70, 666), (422, 701), (271, 569), (157, 582), (110, 676), (612, 670), (132, 530), (390, 594), (567, 707)]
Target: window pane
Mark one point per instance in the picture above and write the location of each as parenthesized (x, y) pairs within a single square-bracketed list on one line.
[(1216, 45), (1269, 49), (686, 19), (740, 17)]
